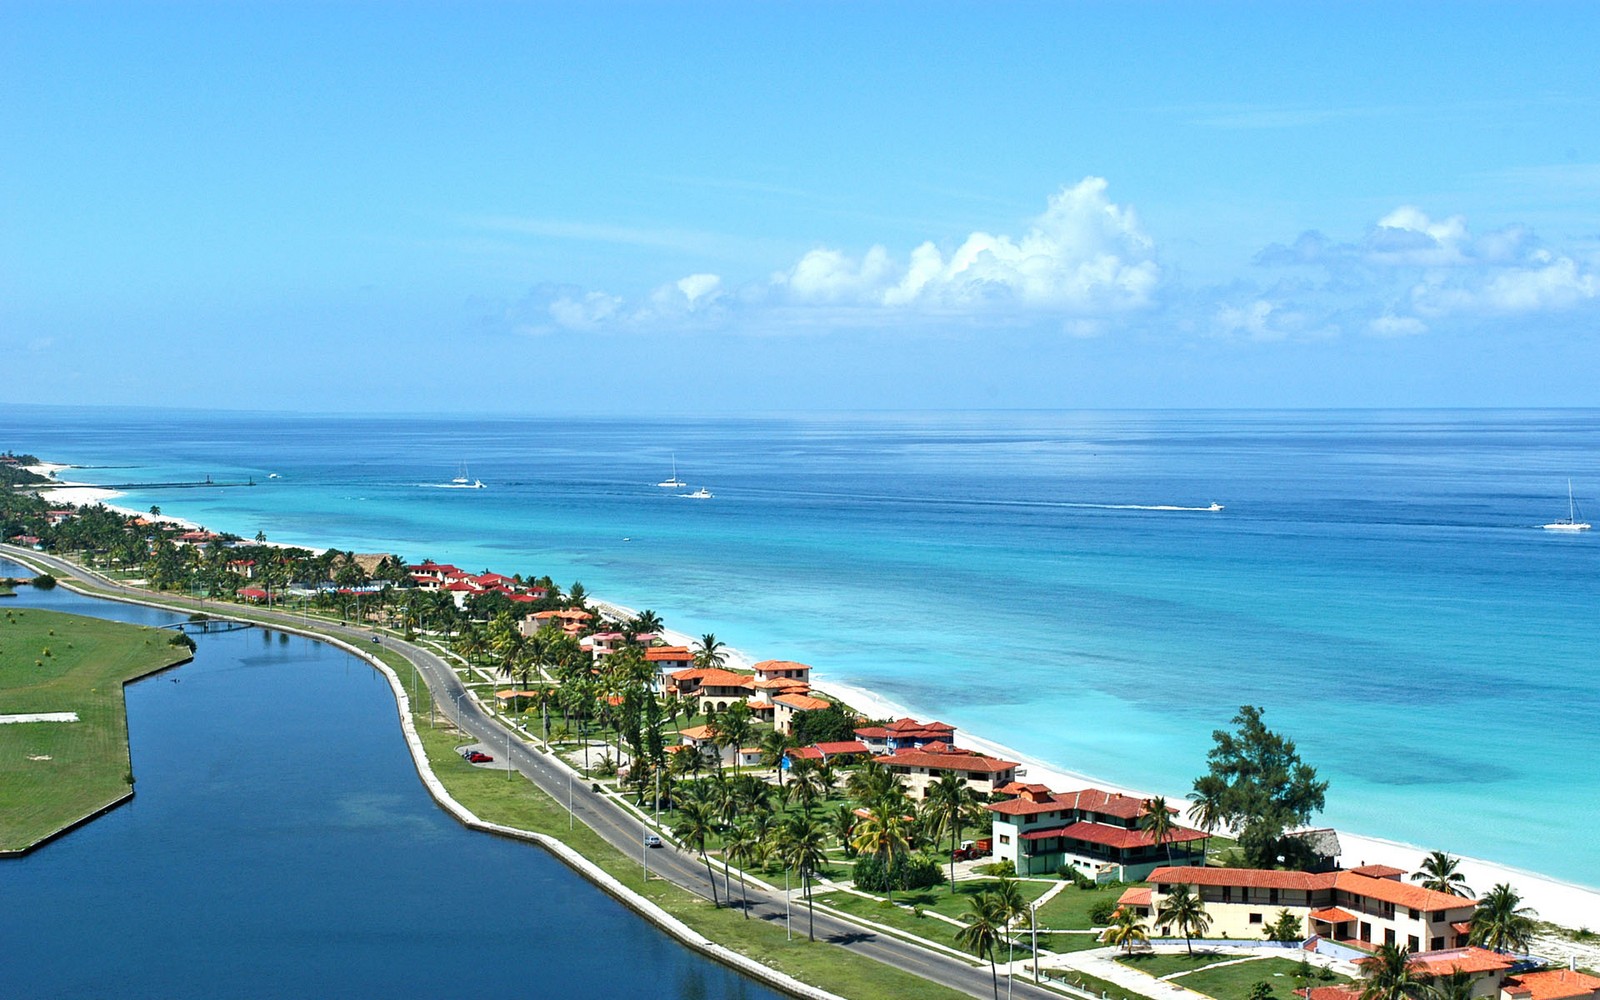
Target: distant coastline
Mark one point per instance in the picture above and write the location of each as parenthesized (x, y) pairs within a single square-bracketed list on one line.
[(1564, 903)]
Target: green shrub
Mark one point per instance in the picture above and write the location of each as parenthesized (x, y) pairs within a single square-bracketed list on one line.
[(997, 868), (918, 872), (1100, 913), (44, 581)]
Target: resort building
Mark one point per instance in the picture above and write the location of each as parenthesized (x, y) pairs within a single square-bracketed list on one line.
[(768, 670), (572, 621), (1093, 830), (927, 764), (1339, 906), (786, 706), (713, 688), (1551, 984), (703, 740), (843, 750), (906, 734), (669, 658)]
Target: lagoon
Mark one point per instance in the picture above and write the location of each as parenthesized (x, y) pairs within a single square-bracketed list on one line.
[(281, 844)]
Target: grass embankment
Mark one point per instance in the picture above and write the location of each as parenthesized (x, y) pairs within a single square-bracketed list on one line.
[(53, 774), (518, 803), (1224, 976)]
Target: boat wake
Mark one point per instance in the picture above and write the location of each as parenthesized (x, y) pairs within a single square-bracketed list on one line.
[(1142, 506)]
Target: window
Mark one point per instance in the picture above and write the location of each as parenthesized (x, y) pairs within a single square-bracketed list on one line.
[(1388, 935), (1227, 894), (1366, 931), (1255, 918), (1413, 943), (1436, 944), (1416, 914), (1005, 838), (1272, 895)]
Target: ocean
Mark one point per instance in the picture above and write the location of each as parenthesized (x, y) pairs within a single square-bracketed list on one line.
[(1377, 581)]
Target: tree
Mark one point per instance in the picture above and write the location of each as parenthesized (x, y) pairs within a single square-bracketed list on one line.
[(1126, 929), (645, 621), (708, 651), (824, 725), (740, 846), (981, 933), (1441, 873), (949, 803), (155, 511), (1287, 927), (1156, 820), (1266, 789), (1260, 991), (695, 823), (1187, 911), (1455, 985), (734, 728), (1389, 974), (774, 746), (1501, 922), (1207, 809), (802, 844)]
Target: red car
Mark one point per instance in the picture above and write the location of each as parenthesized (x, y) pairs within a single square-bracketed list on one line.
[(479, 757)]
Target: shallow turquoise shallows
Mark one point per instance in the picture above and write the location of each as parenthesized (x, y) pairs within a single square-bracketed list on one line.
[(1376, 580), (281, 845)]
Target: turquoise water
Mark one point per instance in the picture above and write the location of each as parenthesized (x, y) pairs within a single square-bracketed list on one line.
[(1376, 581), (280, 845)]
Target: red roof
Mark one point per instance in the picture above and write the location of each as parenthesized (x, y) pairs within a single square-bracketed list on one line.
[(712, 677), (909, 724), (960, 760), (1113, 836), (802, 702), (673, 654), (1333, 915), (1411, 896), (1552, 984), (771, 666), (1030, 802), (1379, 871), (805, 753), (252, 593), (1138, 895), (1331, 993), (1442, 963), (842, 747)]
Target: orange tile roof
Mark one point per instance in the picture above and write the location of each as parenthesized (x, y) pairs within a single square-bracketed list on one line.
[(1399, 893), (696, 733), (1330, 993), (656, 654), (962, 761), (1138, 895), (768, 666), (1379, 871), (842, 747), (1113, 836), (1413, 896), (1333, 915), (712, 677), (803, 702), (782, 683), (1552, 984), (1442, 963)]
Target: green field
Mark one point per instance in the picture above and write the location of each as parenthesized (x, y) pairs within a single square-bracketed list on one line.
[(1069, 910), (53, 774), (1223, 981)]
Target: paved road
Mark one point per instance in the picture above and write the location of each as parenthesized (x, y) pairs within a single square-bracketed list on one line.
[(618, 826)]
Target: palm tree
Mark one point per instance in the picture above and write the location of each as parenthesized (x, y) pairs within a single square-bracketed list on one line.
[(1208, 810), (774, 746), (696, 820), (1501, 922), (1156, 820), (734, 728), (1009, 899), (739, 845), (1457, 985), (708, 652), (948, 804), (1388, 974), (981, 934), (884, 833), (1187, 910), (646, 621), (871, 782), (802, 844), (843, 821), (1440, 873), (1126, 928), (804, 788)]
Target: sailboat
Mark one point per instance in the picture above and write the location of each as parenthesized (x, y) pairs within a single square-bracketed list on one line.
[(463, 482), (674, 483), (1571, 523)]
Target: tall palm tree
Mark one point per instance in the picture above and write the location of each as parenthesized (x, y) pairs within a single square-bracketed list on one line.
[(646, 621), (1012, 905), (981, 933), (739, 845), (1185, 909), (708, 652), (802, 844), (949, 803), (885, 833), (1501, 922), (1389, 974), (1440, 873), (872, 781), (1457, 985), (1208, 809), (1126, 929), (803, 788), (1156, 820), (696, 821), (774, 746), (843, 822)]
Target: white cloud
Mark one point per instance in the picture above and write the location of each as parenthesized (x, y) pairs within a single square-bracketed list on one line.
[(1390, 325), (1083, 255)]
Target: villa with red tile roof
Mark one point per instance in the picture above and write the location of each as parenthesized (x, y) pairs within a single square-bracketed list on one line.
[(904, 734), (569, 620), (1551, 984), (786, 706), (844, 749), (1093, 830), (926, 764), (768, 670), (713, 688), (1490, 978), (1340, 906)]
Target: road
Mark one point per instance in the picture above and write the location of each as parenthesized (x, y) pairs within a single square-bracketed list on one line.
[(617, 825)]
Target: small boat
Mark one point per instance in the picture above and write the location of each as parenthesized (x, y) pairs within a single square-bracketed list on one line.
[(464, 482), (701, 494), (1571, 523), (673, 483), (272, 475), (1214, 506)]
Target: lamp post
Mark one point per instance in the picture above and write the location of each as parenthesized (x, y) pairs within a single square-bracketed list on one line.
[(1033, 924), (459, 724)]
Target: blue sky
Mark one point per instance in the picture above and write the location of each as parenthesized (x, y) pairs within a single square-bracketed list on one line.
[(682, 208)]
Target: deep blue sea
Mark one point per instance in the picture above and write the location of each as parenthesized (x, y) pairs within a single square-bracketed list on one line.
[(1377, 581), (280, 844)]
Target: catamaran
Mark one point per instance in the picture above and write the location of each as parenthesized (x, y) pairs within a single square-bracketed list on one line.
[(1571, 523), (463, 482), (674, 483)]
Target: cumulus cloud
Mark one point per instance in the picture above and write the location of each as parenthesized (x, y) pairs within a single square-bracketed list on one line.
[(1411, 271), (1083, 255)]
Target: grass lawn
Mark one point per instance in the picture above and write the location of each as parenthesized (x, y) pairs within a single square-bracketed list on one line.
[(940, 899), (897, 917), (1233, 982), (520, 804), (1204, 972), (1069, 910), (55, 773)]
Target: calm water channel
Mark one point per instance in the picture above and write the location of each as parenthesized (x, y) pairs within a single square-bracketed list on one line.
[(281, 845)]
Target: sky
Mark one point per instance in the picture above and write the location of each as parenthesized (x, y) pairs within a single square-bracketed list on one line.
[(683, 208)]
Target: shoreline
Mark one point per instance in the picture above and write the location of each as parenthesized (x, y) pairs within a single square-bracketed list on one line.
[(1567, 904)]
